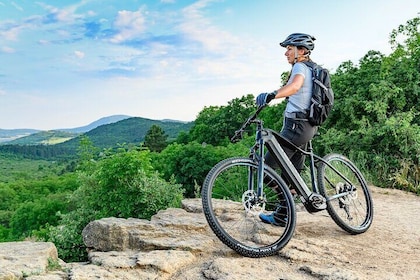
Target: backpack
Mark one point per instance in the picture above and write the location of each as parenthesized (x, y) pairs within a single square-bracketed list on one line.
[(322, 99)]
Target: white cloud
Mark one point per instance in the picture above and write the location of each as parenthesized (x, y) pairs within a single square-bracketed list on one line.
[(79, 54), (11, 34), (198, 28), (6, 49), (66, 14), (43, 42), (129, 25), (17, 6)]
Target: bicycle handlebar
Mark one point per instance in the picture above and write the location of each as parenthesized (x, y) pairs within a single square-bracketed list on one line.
[(238, 133)]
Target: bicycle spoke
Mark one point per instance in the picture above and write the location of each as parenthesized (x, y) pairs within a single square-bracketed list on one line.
[(348, 198), (232, 208)]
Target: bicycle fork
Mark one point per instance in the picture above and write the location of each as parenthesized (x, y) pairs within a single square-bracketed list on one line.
[(257, 153)]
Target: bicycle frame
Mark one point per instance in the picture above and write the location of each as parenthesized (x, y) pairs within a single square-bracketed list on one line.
[(290, 172), (269, 139), (266, 138)]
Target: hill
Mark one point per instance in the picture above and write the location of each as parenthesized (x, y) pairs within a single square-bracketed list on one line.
[(35, 136), (49, 145), (128, 131), (95, 124), (49, 137), (7, 135)]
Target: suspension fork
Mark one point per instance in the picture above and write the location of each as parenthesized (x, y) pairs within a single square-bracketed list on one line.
[(261, 158), (257, 154)]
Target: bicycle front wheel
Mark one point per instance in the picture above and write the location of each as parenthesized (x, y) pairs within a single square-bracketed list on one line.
[(349, 201), (232, 207)]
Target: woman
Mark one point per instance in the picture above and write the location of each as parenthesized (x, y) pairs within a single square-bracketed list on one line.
[(298, 91)]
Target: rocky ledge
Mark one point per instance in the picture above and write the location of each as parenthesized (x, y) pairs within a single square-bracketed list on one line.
[(178, 244)]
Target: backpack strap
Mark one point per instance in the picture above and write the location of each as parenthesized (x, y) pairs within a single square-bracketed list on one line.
[(310, 64)]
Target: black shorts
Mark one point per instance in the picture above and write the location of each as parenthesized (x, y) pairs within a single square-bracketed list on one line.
[(299, 132)]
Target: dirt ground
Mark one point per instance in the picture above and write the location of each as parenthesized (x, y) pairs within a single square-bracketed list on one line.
[(390, 249), (319, 249)]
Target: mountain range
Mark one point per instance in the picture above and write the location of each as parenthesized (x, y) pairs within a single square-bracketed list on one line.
[(9, 135), (105, 133)]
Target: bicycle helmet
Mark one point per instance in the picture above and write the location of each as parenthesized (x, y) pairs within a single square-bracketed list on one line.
[(299, 40)]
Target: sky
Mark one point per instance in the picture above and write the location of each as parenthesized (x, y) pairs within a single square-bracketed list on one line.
[(67, 63)]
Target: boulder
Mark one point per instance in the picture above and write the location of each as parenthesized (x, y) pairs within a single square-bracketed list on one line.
[(24, 259)]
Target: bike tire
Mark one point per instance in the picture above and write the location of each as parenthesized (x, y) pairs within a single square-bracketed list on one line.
[(352, 212), (232, 211)]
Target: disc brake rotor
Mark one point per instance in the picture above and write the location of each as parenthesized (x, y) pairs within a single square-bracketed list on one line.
[(252, 204)]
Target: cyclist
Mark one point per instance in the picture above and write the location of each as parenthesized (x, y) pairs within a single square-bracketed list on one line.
[(298, 91)]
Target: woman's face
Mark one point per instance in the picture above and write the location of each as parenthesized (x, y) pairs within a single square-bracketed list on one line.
[(290, 53)]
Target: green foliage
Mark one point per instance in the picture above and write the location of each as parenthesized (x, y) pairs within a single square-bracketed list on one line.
[(5, 234), (34, 215), (189, 163), (155, 139), (121, 184), (67, 236), (273, 116), (27, 208), (215, 125), (53, 264), (14, 168), (375, 117)]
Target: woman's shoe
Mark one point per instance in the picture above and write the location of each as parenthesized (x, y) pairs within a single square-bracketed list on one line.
[(273, 219)]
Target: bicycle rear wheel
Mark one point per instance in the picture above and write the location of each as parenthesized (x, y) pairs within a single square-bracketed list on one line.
[(349, 201), (232, 207)]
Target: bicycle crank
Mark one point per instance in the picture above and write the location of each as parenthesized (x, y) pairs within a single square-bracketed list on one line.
[(315, 203)]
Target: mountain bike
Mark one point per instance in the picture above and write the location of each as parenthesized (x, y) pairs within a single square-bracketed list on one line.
[(237, 190)]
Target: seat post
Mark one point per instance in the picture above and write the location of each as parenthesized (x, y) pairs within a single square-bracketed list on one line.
[(312, 167)]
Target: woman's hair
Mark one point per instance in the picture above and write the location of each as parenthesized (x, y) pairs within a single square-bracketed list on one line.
[(307, 52)]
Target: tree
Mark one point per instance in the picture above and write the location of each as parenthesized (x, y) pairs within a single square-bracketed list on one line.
[(155, 139), (189, 163), (215, 125), (375, 117)]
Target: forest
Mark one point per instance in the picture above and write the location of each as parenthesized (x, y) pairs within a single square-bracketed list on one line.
[(375, 122)]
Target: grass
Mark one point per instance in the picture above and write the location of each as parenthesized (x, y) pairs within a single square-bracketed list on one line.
[(53, 264)]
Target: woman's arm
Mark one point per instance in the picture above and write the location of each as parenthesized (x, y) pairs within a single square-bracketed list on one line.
[(291, 88)]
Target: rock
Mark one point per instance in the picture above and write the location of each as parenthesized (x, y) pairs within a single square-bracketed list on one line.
[(177, 244), (24, 259), (169, 229)]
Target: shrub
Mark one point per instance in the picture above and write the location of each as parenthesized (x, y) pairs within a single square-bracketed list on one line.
[(119, 185)]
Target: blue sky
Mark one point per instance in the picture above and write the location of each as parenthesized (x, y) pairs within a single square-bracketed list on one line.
[(67, 63)]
